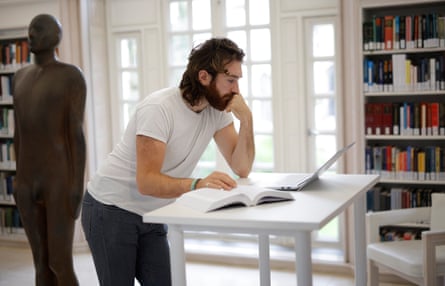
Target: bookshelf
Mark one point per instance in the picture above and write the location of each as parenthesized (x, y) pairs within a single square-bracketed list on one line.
[(14, 54), (403, 76)]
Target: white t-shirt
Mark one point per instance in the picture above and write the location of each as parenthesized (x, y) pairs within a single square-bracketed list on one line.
[(162, 115)]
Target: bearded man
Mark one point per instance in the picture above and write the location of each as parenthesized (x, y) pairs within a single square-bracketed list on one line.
[(153, 164)]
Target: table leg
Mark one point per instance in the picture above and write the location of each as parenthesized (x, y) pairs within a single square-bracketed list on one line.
[(177, 255), (264, 257), (360, 241), (303, 258)]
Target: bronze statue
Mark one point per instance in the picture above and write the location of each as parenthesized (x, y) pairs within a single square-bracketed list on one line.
[(49, 103)]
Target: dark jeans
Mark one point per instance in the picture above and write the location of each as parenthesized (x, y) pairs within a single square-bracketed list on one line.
[(125, 248)]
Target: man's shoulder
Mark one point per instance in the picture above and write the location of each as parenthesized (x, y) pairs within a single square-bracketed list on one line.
[(162, 96), (164, 92), (163, 101)]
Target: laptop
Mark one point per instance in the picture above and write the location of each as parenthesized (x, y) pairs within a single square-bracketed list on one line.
[(296, 182)]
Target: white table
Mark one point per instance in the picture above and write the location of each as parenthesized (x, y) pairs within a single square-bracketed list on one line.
[(312, 208)]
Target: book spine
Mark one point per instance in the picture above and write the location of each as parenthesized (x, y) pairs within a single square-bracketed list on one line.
[(388, 28), (435, 118), (367, 36), (369, 118), (387, 124), (421, 165), (442, 118), (396, 32), (378, 118), (441, 30), (402, 32)]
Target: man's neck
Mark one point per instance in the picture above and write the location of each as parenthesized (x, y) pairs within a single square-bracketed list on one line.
[(203, 103)]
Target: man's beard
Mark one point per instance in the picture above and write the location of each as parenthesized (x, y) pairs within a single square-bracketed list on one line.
[(215, 99)]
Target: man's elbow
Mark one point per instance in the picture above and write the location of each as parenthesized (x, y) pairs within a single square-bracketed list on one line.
[(143, 186), (243, 172), (143, 190), (244, 167)]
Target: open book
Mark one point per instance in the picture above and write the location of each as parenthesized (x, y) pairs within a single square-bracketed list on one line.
[(207, 199)]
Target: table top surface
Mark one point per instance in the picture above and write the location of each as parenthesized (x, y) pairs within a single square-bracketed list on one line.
[(313, 207)]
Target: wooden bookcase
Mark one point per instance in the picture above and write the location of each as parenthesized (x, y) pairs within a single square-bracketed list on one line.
[(14, 54), (403, 89)]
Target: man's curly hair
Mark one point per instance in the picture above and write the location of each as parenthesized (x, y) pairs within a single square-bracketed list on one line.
[(212, 55)]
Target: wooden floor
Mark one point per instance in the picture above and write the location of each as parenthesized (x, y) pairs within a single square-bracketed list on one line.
[(16, 268)]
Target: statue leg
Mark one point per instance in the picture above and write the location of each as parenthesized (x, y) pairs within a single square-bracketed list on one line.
[(60, 237), (33, 216)]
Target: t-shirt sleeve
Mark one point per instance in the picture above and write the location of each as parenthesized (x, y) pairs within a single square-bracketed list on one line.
[(153, 121), (226, 119)]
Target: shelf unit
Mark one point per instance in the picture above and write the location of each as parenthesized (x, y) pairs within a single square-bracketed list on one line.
[(404, 101), (14, 54)]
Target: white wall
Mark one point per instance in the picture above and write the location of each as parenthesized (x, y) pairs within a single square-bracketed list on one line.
[(19, 13), (133, 13)]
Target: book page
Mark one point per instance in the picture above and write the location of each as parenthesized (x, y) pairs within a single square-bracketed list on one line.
[(258, 195), (207, 199)]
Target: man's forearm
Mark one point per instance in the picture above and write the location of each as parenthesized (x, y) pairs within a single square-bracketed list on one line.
[(244, 153)]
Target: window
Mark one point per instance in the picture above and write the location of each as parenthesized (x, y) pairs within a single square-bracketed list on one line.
[(246, 22)]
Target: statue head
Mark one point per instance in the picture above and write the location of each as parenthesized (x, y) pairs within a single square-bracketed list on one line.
[(44, 33)]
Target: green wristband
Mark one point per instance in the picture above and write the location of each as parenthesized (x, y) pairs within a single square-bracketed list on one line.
[(194, 184)]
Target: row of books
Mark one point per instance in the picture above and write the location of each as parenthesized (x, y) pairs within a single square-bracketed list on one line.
[(14, 54), (383, 198), (6, 188), (7, 124), (6, 85), (398, 232), (400, 73), (406, 163), (7, 155), (405, 118), (393, 32), (10, 221)]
